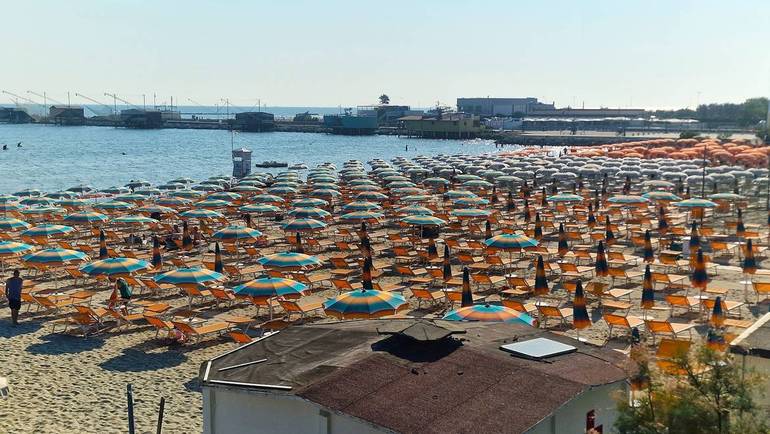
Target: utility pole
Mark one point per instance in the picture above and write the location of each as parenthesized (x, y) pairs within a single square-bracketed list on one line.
[(144, 102), (703, 179)]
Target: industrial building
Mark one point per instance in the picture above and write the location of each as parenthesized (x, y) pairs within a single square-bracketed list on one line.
[(67, 115), (347, 124), (442, 126), (254, 122), (387, 115), (12, 115), (412, 376), (488, 107)]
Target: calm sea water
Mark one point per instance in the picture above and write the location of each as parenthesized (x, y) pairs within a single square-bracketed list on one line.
[(54, 158)]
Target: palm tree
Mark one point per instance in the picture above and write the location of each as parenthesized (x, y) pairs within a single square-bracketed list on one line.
[(384, 99)]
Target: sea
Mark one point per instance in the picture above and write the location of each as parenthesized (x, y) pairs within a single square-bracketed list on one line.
[(53, 158)]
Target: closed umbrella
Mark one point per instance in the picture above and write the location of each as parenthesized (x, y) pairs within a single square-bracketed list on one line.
[(538, 232), (366, 274), (541, 282), (157, 259), (103, 254), (699, 278), (602, 267), (563, 247), (467, 295), (187, 241), (447, 271), (694, 242), (717, 314), (648, 294), (580, 318), (218, 266), (591, 221), (740, 228), (649, 256), (662, 222), (526, 212), (609, 235), (488, 229)]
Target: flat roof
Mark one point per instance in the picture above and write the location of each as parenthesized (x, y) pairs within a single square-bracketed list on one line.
[(755, 340), (462, 382)]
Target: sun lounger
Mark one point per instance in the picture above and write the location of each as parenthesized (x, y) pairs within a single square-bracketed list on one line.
[(301, 307), (198, 332), (546, 312), (627, 322), (659, 327), (424, 294), (683, 301)]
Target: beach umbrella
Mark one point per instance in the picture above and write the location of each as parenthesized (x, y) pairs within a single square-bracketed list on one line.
[(113, 205), (467, 295), (311, 212), (55, 256), (157, 259), (12, 224), (303, 225), (72, 203), (47, 230), (88, 217), (510, 242), (661, 195), (271, 287), (563, 247), (57, 195), (9, 206), (740, 228), (538, 232), (212, 204), (541, 282), (364, 304), (309, 202), (103, 253), (201, 214), (648, 293), (29, 192), (609, 235), (423, 220), (627, 200), (131, 198), (37, 201), (414, 210), (648, 253), (138, 220), (236, 234), (580, 318), (662, 222), (717, 314), (749, 262), (13, 248), (228, 196), (471, 202), (489, 313), (361, 205), (116, 190), (43, 210), (260, 208), (187, 241), (115, 267), (290, 261), (591, 220), (371, 196), (695, 203), (601, 266), (699, 278), (565, 197), (357, 216), (470, 213), (190, 277), (447, 266), (218, 265), (188, 194), (267, 198)]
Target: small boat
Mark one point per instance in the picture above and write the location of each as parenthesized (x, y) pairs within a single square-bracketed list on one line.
[(271, 164), (298, 166)]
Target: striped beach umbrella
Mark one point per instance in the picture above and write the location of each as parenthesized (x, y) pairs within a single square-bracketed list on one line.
[(562, 246), (12, 248), (749, 262), (661, 195), (218, 265), (309, 202), (591, 219), (7, 198), (415, 198), (213, 204), (538, 232), (740, 228), (303, 225), (43, 210), (458, 194), (271, 287), (260, 208), (602, 268), (131, 198), (171, 201), (290, 261), (361, 205), (357, 216), (311, 212), (717, 318), (86, 217), (489, 313), (648, 293), (12, 224), (37, 201), (29, 192), (201, 214), (47, 230), (414, 210), (228, 196), (470, 213), (115, 267), (447, 266), (541, 282), (188, 194), (55, 256), (113, 205), (365, 304), (467, 295), (236, 234), (510, 242), (565, 197), (138, 220), (471, 202), (245, 188), (116, 190), (9, 206), (627, 199), (332, 193), (649, 255), (72, 203), (423, 220), (695, 203), (609, 235), (190, 277), (157, 259), (699, 278), (103, 253), (371, 196), (580, 318), (267, 198)]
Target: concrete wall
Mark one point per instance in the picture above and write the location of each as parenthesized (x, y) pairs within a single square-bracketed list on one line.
[(571, 418), (761, 366), (237, 410)]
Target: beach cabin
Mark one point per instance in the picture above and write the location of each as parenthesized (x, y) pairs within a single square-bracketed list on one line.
[(411, 376)]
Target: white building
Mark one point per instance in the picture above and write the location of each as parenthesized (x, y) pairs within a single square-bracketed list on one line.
[(417, 376)]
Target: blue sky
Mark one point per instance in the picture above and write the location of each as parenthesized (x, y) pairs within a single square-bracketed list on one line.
[(328, 53)]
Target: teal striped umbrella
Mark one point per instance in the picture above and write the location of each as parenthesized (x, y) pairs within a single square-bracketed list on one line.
[(489, 313), (312, 213), (661, 195), (436, 181), (271, 287), (695, 203), (116, 190), (246, 188), (9, 206), (190, 277), (131, 198), (114, 205), (408, 191), (43, 210), (82, 188), (470, 213), (237, 233), (309, 202), (201, 214), (290, 261), (12, 248), (282, 190), (565, 197), (471, 201), (371, 196), (361, 205), (12, 224), (726, 196), (55, 256), (267, 198), (189, 194), (477, 183), (365, 303), (328, 192), (72, 203), (213, 204), (148, 191), (400, 184), (415, 210), (423, 220), (134, 220), (47, 230), (359, 216), (225, 195), (6, 198), (37, 200), (172, 201), (260, 208), (156, 209), (28, 192), (416, 198), (457, 194), (303, 225), (510, 242), (627, 199), (363, 187), (61, 195), (86, 217), (115, 267)]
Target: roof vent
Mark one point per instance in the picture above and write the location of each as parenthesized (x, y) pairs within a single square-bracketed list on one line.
[(538, 348)]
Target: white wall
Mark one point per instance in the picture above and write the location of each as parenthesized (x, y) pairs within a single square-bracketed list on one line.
[(571, 418), (236, 410)]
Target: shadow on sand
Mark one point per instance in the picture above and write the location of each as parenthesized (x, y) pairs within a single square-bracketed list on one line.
[(55, 343), (138, 359), (24, 327)]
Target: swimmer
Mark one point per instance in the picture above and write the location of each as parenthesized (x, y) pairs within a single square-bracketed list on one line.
[(18, 145)]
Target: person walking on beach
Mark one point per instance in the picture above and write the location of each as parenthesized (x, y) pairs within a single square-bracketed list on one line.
[(13, 293), (122, 290)]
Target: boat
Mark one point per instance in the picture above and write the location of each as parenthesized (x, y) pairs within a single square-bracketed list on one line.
[(298, 166), (272, 164)]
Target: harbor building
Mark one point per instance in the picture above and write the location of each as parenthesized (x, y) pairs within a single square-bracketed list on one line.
[(488, 107), (412, 376), (67, 115), (254, 122), (388, 115), (442, 126), (12, 115), (350, 125)]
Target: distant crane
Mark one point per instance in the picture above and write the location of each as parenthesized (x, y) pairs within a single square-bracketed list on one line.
[(117, 98), (95, 102), (19, 97)]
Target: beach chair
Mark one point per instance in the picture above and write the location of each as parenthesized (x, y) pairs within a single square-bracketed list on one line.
[(528, 308), (728, 306), (388, 287), (303, 308), (222, 295), (199, 332), (343, 285), (313, 280), (619, 273), (519, 286), (674, 329), (197, 292), (416, 276), (546, 312), (158, 323), (627, 322), (155, 287), (424, 294), (683, 301), (670, 282), (124, 320), (761, 289), (485, 280), (669, 350), (573, 271), (53, 304)]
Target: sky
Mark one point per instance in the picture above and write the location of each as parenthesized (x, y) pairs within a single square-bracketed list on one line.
[(648, 54)]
